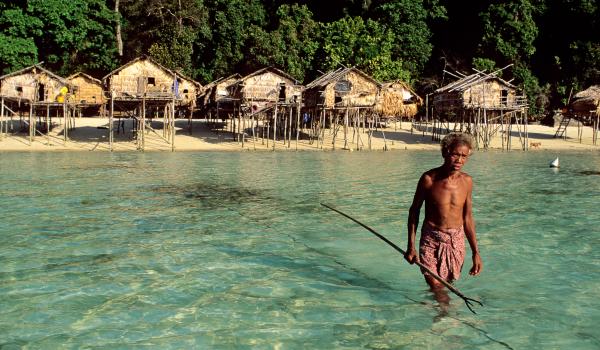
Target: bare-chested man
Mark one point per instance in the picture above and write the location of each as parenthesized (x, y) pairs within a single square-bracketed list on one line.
[(446, 191)]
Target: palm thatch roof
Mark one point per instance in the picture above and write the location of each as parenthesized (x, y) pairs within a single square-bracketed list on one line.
[(335, 75), (34, 67), (150, 59), (587, 101)]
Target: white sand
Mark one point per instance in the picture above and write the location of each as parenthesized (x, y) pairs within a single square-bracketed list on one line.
[(91, 134)]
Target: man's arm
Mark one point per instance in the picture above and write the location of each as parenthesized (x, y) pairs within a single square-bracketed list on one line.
[(469, 225), (413, 218)]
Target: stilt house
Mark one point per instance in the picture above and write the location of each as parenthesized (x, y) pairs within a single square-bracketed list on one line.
[(34, 84), (482, 104), (345, 87), (478, 91), (87, 95), (586, 103), (38, 94), (87, 90), (145, 78), (263, 87)]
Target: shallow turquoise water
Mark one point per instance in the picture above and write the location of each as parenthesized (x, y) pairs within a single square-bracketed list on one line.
[(233, 251)]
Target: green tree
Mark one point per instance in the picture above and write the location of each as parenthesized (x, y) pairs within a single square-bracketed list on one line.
[(409, 22), (17, 38), (568, 55), (76, 35), (224, 50), (509, 34), (368, 45), (291, 46), (180, 26)]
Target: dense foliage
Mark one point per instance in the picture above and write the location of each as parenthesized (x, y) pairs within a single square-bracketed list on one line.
[(553, 46)]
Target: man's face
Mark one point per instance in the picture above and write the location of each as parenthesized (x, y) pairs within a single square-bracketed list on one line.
[(456, 157)]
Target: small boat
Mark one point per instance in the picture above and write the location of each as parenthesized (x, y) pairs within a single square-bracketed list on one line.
[(555, 163)]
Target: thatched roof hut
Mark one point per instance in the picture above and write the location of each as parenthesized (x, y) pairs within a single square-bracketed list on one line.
[(586, 101), (34, 84), (265, 86), (145, 78), (345, 87), (87, 90), (398, 100), (478, 90)]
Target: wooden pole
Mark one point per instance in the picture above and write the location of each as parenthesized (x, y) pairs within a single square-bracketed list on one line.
[(299, 104), (596, 128), (111, 120), (2, 121), (143, 124), (290, 116), (172, 125), (66, 120), (253, 132), (31, 124), (346, 128), (275, 125)]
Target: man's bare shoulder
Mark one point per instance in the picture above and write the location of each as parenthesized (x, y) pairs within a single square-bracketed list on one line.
[(430, 175), (467, 179)]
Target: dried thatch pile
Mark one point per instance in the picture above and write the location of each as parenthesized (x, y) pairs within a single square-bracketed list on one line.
[(397, 100)]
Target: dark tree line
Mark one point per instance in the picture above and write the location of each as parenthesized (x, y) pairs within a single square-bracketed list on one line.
[(554, 46)]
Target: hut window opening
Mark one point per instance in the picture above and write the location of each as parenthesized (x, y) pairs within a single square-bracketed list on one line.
[(338, 99), (19, 89), (151, 81), (504, 97), (185, 91)]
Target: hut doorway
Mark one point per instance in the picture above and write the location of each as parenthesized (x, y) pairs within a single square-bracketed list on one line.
[(41, 92)]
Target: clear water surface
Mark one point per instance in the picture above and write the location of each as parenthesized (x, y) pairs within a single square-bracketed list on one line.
[(233, 251)]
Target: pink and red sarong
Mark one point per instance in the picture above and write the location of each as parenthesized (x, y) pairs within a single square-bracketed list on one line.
[(442, 251)]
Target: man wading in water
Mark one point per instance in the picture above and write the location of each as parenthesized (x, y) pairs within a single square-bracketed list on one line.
[(446, 191)]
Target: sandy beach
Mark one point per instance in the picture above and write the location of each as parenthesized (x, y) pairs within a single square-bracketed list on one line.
[(92, 134)]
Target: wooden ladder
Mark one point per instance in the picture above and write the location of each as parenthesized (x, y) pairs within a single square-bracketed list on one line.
[(562, 126)]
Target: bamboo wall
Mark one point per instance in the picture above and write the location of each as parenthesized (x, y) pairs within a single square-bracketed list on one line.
[(86, 90), (486, 94), (363, 92)]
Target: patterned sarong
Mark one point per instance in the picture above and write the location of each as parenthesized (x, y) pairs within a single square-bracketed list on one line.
[(442, 251)]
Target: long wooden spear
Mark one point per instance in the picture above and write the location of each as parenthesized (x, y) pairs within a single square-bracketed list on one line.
[(468, 301)]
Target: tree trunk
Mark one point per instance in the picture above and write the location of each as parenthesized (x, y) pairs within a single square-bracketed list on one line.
[(118, 30)]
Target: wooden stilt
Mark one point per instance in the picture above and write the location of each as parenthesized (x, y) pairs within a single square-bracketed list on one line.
[(275, 126), (111, 120)]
